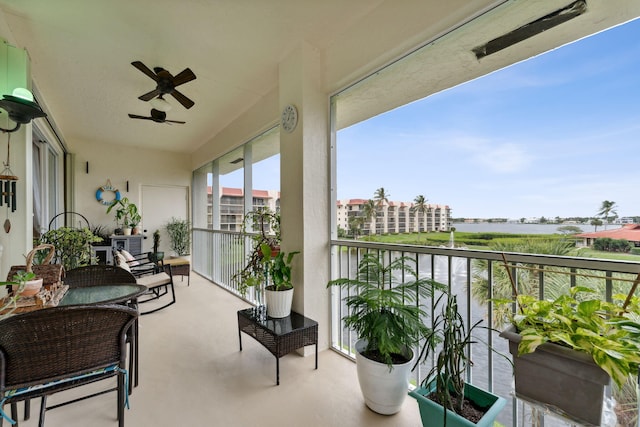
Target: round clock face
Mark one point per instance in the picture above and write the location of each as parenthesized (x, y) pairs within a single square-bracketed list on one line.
[(289, 118)]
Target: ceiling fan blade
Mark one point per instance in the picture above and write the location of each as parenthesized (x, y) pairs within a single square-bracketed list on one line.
[(174, 121), (183, 77), (150, 95), (140, 66), (135, 116), (186, 102)]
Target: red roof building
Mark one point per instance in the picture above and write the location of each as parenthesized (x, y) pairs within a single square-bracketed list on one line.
[(630, 232)]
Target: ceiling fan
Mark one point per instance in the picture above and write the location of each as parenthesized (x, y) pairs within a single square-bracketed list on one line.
[(157, 116), (166, 83)]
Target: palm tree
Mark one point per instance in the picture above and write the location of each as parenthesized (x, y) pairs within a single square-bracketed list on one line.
[(381, 196), (527, 280), (355, 226), (369, 213), (596, 222), (607, 210), (420, 208)]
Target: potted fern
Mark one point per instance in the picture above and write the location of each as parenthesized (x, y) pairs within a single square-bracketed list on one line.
[(383, 310), (444, 398)]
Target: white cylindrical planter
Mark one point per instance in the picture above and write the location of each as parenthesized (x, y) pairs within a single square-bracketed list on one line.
[(384, 391), (278, 302)]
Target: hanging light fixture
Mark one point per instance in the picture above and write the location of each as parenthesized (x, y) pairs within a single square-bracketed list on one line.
[(160, 104), (20, 107)]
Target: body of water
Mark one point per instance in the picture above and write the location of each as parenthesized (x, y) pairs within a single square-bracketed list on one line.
[(516, 228)]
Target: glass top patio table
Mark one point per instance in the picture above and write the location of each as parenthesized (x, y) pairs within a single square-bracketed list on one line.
[(104, 294)]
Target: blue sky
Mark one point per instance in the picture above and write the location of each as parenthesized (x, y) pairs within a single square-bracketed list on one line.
[(552, 136)]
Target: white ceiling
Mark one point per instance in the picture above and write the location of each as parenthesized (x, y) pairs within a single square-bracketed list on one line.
[(81, 53)]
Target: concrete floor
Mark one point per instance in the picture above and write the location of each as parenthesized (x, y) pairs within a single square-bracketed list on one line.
[(193, 374)]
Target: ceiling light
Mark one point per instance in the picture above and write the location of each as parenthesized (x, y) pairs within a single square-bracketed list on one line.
[(160, 104), (20, 107)]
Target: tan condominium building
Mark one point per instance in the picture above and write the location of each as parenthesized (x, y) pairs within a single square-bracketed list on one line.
[(391, 217)]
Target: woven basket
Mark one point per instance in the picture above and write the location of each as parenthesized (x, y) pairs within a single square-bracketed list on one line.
[(51, 274)]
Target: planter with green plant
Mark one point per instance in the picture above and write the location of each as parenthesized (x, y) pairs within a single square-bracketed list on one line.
[(267, 225), (444, 398), (156, 255), (384, 303), (127, 214), (565, 351), (179, 231), (279, 288), (19, 283), (72, 246)]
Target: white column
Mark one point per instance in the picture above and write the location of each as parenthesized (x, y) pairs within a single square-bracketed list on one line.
[(304, 183)]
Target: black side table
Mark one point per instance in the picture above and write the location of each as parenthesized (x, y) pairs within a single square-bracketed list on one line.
[(279, 336)]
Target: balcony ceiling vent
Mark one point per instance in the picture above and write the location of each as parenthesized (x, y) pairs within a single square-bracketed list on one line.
[(538, 26)]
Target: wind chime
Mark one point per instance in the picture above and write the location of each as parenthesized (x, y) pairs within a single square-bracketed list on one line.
[(8, 186)]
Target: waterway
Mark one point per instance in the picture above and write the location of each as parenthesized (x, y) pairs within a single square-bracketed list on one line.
[(517, 228)]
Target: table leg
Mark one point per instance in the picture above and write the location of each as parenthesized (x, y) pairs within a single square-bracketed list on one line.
[(316, 355), (277, 370), (240, 338)]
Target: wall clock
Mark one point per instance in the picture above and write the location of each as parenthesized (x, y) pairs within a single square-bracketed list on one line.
[(289, 118)]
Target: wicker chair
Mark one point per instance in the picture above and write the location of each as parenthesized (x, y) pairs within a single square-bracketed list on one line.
[(104, 275), (46, 351), (97, 275), (154, 275)]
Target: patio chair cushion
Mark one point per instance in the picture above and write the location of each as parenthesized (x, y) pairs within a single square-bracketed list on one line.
[(122, 261), (131, 260), (153, 280)]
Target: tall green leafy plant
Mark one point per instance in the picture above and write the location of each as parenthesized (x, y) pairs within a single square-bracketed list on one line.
[(179, 231), (72, 246), (278, 267), (450, 342), (384, 305)]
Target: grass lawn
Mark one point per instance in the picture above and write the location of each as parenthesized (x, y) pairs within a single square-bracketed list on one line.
[(482, 241)]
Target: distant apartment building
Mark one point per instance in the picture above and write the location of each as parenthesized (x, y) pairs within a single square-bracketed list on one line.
[(393, 217), (232, 206)]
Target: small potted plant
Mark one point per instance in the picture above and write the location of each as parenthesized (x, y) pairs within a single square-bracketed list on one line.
[(127, 214), (156, 255), (279, 288), (267, 225), (383, 310), (444, 398), (179, 231), (19, 285)]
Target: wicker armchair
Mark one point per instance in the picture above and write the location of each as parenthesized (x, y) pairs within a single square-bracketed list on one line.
[(104, 275), (156, 276), (46, 351), (97, 275)]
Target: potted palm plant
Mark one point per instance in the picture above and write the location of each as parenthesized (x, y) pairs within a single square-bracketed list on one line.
[(444, 397), (383, 310)]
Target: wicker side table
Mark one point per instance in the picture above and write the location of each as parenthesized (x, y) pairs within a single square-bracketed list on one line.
[(279, 336), (180, 267)]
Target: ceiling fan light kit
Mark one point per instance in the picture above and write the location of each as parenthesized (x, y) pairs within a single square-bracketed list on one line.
[(165, 85)]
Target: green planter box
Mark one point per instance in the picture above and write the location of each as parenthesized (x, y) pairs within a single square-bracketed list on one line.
[(432, 415)]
